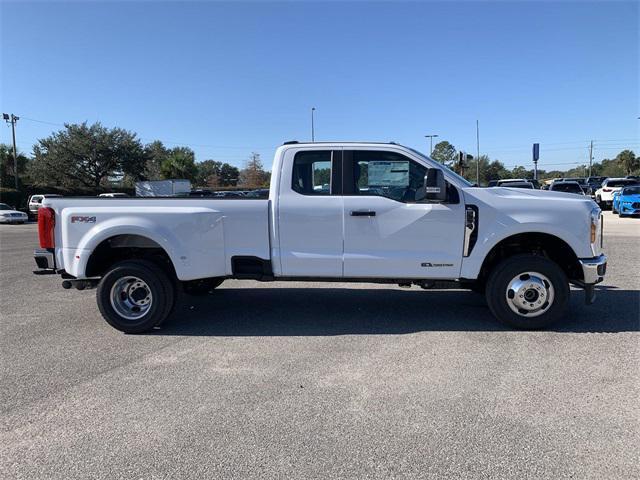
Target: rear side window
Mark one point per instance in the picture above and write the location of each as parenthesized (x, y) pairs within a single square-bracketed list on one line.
[(312, 173)]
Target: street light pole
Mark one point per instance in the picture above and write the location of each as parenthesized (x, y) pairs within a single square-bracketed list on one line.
[(478, 152), (313, 133), (13, 119), (431, 137)]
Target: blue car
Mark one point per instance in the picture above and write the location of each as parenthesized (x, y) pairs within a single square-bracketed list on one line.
[(626, 201)]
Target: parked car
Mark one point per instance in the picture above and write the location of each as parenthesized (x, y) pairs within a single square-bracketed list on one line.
[(503, 181), (604, 195), (390, 215), (626, 201), (200, 192), (594, 183), (9, 215), (517, 185), (260, 193), (567, 187), (229, 194), (35, 202), (113, 195), (582, 181)]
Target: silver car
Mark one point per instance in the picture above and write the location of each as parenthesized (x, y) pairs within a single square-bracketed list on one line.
[(9, 215)]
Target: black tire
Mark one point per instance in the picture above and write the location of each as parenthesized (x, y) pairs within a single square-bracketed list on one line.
[(159, 285), (510, 269), (203, 286)]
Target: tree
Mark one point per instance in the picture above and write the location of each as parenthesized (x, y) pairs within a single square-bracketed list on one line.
[(495, 171), (84, 155), (628, 161), (253, 174), (156, 153), (229, 175), (521, 172), (208, 173), (444, 153), (7, 171), (179, 164)]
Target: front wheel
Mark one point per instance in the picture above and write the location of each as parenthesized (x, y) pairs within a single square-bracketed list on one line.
[(527, 292), (135, 296)]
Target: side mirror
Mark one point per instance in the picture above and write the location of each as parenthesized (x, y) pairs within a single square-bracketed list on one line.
[(435, 188)]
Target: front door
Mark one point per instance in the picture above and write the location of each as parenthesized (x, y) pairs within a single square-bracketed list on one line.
[(388, 229)]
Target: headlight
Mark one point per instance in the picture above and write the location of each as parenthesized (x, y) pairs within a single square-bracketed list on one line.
[(595, 219)]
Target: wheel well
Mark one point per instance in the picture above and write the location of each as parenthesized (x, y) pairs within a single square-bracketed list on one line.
[(543, 244), (127, 247)]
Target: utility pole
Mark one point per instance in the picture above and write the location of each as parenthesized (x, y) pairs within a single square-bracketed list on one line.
[(313, 133), (590, 156), (478, 152), (431, 137), (12, 119)]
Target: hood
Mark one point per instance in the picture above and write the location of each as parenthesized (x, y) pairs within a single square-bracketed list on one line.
[(524, 194), (539, 203), (634, 197)]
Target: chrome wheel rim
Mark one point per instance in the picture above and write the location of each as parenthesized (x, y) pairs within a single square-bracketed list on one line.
[(530, 294), (131, 297)]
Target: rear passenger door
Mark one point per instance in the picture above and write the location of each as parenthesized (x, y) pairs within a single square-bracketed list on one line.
[(309, 210), (390, 231)]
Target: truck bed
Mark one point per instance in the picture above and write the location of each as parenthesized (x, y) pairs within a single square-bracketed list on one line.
[(201, 235)]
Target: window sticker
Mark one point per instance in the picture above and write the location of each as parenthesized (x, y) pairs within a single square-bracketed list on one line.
[(388, 174)]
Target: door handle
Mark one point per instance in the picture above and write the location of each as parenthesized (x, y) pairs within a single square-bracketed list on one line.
[(362, 213)]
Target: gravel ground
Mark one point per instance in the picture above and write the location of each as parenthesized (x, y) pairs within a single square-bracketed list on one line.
[(336, 380)]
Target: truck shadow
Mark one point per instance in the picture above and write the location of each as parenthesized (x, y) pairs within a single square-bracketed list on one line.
[(367, 311)]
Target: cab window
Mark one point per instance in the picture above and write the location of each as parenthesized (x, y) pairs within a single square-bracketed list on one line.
[(312, 173), (385, 174)]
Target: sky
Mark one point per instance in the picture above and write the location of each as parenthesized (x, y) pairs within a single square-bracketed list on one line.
[(228, 79)]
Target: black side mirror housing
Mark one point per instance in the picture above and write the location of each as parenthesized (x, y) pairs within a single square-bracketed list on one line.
[(435, 188)]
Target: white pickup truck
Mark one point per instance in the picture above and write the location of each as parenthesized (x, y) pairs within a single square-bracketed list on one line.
[(365, 212)]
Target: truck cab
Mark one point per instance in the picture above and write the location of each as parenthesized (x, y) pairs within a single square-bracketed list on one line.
[(336, 211)]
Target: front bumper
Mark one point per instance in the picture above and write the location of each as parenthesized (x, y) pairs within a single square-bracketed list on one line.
[(629, 208), (593, 272), (593, 269)]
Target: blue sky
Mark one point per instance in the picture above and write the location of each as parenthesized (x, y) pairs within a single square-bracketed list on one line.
[(231, 78)]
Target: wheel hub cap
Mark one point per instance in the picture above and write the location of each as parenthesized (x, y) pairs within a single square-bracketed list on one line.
[(131, 297), (530, 294)]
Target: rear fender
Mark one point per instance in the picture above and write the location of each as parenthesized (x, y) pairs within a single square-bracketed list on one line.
[(180, 242)]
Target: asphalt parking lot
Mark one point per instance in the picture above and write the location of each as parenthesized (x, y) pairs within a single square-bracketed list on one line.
[(338, 380)]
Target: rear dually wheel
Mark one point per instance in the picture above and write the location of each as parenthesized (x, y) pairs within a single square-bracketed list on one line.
[(134, 296)]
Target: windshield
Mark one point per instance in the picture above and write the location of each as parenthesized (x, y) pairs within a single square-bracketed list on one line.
[(447, 170), (620, 183), (4, 206), (631, 190)]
